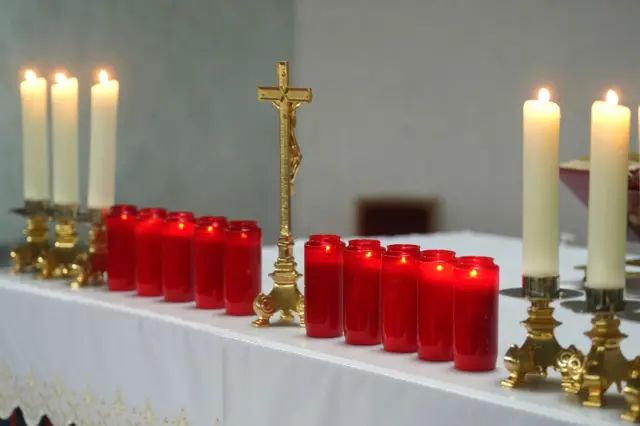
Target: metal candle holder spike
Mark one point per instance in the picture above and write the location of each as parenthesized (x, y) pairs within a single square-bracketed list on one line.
[(540, 349), (26, 255), (58, 261), (90, 268)]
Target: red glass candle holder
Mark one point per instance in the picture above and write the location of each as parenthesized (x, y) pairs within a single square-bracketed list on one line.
[(362, 265), (399, 284), (475, 314), (412, 249), (435, 305), (208, 262), (148, 274), (323, 262), (177, 257), (365, 243), (330, 238), (121, 233), (242, 266)]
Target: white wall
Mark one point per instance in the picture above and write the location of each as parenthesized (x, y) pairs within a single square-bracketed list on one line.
[(424, 97)]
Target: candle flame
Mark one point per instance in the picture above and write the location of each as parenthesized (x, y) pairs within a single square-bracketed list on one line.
[(243, 235), (181, 225), (473, 273), (368, 255), (103, 77), (327, 249), (439, 268), (123, 217), (612, 97), (210, 229), (403, 260), (29, 75), (60, 78), (544, 95)]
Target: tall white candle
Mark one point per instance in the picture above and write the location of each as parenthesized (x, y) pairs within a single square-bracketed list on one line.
[(540, 181), (608, 186), (104, 124), (35, 148), (64, 112)]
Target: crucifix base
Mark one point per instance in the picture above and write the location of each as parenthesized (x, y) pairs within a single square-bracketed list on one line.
[(284, 297)]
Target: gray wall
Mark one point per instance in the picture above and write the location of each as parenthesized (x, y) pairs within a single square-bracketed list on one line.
[(424, 97), (191, 134)]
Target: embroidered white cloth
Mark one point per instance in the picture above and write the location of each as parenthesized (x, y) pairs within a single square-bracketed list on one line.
[(98, 358)]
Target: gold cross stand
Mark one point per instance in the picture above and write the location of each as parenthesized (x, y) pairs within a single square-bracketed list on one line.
[(285, 296)]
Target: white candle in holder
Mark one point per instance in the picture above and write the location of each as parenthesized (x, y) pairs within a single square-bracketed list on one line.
[(102, 160), (64, 113), (540, 181), (608, 187), (35, 148)]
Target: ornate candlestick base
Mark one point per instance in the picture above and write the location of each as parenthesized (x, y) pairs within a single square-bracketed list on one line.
[(605, 364), (58, 261), (631, 393), (36, 235), (284, 297), (91, 267), (540, 349)]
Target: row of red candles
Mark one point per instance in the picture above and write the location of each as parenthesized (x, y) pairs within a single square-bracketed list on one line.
[(210, 260), (441, 306)]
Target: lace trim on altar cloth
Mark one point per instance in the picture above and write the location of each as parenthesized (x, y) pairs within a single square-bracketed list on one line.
[(64, 407)]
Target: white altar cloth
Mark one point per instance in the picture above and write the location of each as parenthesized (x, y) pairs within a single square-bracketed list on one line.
[(93, 357)]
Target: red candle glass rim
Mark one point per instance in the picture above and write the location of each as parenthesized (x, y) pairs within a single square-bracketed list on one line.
[(123, 210), (413, 249), (437, 255), (242, 225), (482, 262), (397, 255), (363, 242), (325, 237), (205, 222), (151, 212), (322, 245), (180, 217)]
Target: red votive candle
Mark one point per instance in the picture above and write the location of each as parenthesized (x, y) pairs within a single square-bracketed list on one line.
[(177, 257), (399, 301), (121, 234), (362, 264), (412, 249), (323, 261), (242, 266), (148, 275), (475, 313), (208, 262), (435, 305)]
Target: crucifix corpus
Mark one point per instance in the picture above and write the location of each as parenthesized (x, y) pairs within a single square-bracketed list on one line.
[(285, 296)]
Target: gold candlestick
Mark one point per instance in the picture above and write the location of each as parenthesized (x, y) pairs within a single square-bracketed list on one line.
[(91, 267), (58, 261), (285, 296), (36, 236), (605, 364), (540, 349)]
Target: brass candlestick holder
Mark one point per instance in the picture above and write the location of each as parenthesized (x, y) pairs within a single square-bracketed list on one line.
[(36, 234), (605, 364), (90, 268), (540, 349), (285, 296), (58, 261)]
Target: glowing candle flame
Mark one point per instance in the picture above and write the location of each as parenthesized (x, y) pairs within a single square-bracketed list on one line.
[(123, 217), (544, 95), (368, 255), (403, 260), (181, 225), (60, 78), (30, 75), (439, 268), (103, 77), (473, 273), (612, 97), (210, 229), (327, 249)]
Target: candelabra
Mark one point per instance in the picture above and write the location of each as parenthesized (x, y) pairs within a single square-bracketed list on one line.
[(58, 261), (540, 349), (36, 235), (90, 267), (604, 364)]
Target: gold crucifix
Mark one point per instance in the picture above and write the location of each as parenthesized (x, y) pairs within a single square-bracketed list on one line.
[(285, 296)]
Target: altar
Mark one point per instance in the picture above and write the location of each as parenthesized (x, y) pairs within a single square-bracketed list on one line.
[(92, 357)]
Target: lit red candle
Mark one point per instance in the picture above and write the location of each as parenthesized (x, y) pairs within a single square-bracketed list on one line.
[(121, 229), (323, 262), (435, 305), (148, 274), (475, 315), (362, 265), (365, 243), (242, 266), (331, 238), (399, 301), (177, 257), (208, 262), (412, 249)]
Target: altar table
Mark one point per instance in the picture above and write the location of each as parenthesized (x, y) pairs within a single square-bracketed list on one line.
[(93, 357)]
